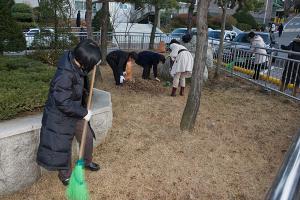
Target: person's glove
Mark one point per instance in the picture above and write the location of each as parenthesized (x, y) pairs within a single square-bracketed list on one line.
[(157, 79), (124, 73), (88, 116), (122, 79)]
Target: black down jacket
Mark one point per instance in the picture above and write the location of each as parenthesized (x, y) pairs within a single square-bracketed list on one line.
[(148, 58), (62, 111)]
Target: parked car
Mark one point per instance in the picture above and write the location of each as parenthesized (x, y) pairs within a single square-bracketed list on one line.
[(43, 37), (242, 42), (179, 32), (214, 36)]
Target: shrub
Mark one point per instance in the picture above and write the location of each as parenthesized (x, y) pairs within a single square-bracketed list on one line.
[(24, 85), (245, 18), (21, 12), (181, 21), (244, 27), (216, 21), (96, 23), (11, 36), (47, 50)]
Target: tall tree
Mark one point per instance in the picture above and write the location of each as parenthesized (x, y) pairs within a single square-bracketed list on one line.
[(190, 15), (158, 4), (88, 18), (104, 30), (193, 103), (224, 4)]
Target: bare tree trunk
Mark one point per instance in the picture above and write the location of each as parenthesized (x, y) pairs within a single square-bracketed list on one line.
[(152, 37), (221, 45), (88, 19), (190, 16), (104, 30), (193, 103)]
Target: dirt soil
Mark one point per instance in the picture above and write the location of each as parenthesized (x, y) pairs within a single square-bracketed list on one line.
[(238, 144)]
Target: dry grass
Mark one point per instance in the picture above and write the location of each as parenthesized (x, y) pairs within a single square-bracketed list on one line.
[(234, 153)]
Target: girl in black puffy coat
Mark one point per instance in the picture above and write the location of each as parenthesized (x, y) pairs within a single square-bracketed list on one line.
[(65, 111)]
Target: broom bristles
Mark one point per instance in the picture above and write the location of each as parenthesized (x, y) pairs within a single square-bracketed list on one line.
[(77, 188)]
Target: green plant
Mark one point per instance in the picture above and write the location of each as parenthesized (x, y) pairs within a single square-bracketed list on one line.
[(244, 27), (11, 37), (245, 18), (24, 85), (215, 22), (22, 12), (97, 20)]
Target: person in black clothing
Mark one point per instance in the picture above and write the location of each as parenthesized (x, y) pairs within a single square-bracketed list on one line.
[(65, 111), (78, 20), (147, 59), (291, 73), (280, 29), (117, 60)]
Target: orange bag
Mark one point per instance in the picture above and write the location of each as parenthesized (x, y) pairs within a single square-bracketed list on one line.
[(128, 76), (161, 47)]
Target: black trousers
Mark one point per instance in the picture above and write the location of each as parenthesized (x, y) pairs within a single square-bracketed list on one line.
[(147, 69), (146, 72), (115, 68), (258, 68)]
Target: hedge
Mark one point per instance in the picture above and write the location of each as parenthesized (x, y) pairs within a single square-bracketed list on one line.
[(24, 85), (245, 18)]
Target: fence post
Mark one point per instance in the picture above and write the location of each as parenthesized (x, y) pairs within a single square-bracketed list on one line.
[(143, 39)]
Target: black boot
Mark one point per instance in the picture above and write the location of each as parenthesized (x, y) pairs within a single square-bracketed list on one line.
[(173, 94), (92, 166), (181, 91)]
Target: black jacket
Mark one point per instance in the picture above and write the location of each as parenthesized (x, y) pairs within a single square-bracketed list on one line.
[(293, 46), (62, 111), (148, 58), (120, 59)]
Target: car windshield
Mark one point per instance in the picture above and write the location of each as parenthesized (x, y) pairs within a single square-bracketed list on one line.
[(214, 34), (243, 38)]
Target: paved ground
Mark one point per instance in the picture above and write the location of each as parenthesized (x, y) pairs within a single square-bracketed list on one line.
[(291, 30)]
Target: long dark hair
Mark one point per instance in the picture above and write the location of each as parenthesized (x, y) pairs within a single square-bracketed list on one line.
[(87, 53)]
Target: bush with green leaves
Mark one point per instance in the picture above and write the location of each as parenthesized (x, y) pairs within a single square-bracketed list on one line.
[(216, 21), (22, 12), (245, 17), (97, 20), (11, 36), (243, 27), (48, 49), (24, 85)]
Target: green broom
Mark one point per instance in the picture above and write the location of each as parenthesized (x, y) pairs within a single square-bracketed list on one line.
[(77, 188)]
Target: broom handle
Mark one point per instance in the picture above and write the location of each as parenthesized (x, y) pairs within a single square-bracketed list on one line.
[(84, 132)]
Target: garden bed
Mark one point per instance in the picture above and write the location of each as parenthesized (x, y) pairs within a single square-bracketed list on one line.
[(24, 86)]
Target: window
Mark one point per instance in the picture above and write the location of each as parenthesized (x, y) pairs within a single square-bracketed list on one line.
[(123, 6), (80, 5)]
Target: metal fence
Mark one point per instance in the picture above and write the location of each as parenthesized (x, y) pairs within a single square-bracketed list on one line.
[(119, 40), (274, 71), (277, 72)]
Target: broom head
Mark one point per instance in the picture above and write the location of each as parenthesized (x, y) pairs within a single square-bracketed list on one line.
[(77, 188)]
